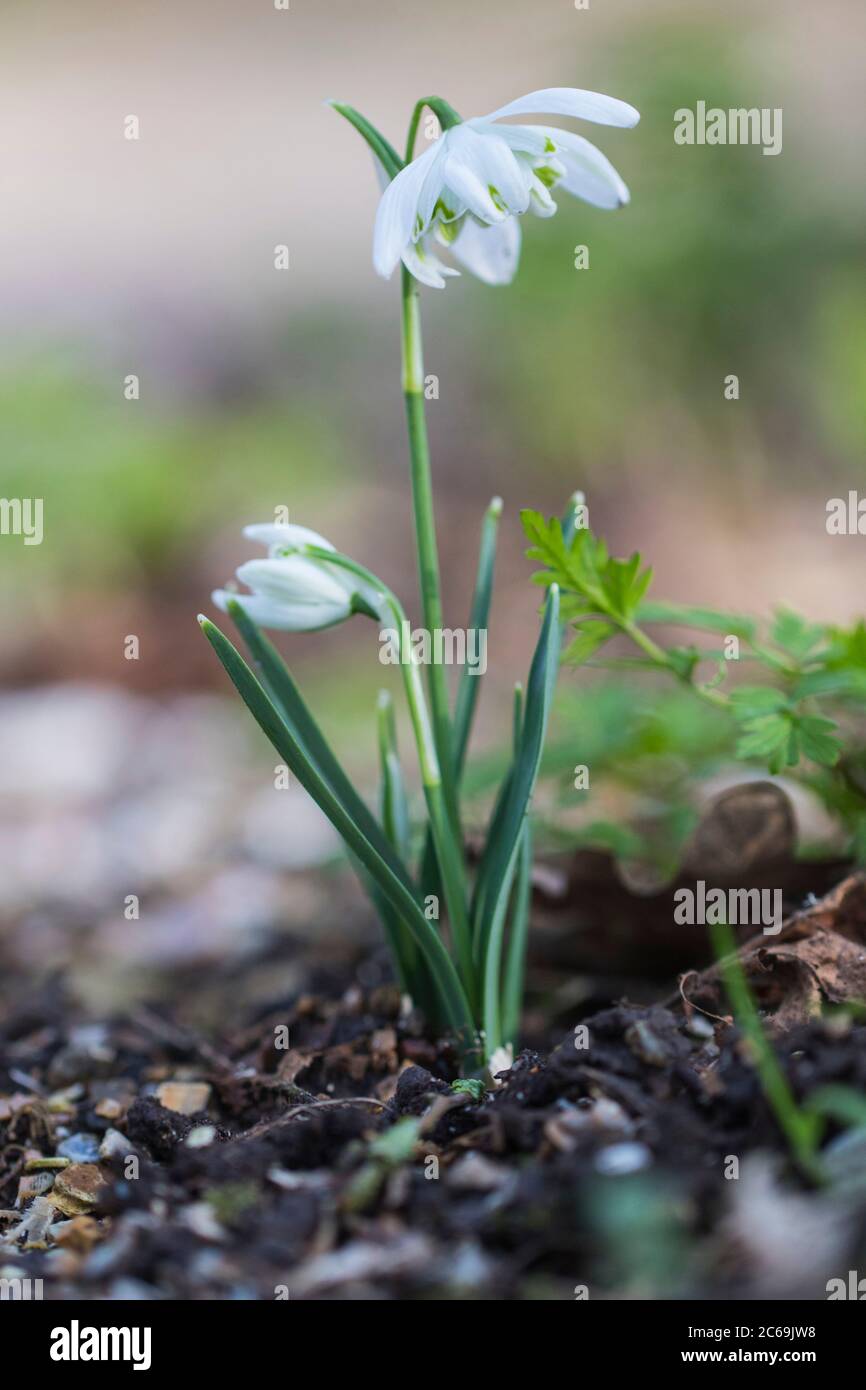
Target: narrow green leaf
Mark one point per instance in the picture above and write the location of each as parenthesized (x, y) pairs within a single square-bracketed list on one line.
[(479, 616), (393, 802), (521, 903), (382, 148), (518, 936), (290, 703), (394, 812), (500, 854), (470, 685), (293, 708), (454, 1001)]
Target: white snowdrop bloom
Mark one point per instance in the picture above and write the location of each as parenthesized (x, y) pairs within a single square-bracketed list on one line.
[(291, 591), (467, 190)]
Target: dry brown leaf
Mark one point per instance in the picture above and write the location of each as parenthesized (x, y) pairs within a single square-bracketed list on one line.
[(818, 958)]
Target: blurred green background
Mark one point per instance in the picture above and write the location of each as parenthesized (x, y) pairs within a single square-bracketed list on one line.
[(262, 388)]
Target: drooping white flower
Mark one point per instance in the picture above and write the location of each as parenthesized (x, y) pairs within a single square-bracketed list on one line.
[(291, 591), (467, 190)]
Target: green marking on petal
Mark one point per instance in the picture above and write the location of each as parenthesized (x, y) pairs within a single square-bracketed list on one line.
[(449, 231), (546, 175), (443, 212)]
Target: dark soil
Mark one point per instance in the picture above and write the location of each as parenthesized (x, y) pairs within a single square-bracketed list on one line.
[(635, 1158)]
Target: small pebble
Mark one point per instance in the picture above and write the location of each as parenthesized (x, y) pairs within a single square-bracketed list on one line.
[(78, 1188), (473, 1172), (81, 1148), (184, 1097), (114, 1145), (108, 1108), (200, 1136), (80, 1234), (618, 1159), (199, 1218), (699, 1026)]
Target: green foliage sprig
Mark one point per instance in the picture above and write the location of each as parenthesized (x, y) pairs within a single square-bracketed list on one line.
[(811, 677)]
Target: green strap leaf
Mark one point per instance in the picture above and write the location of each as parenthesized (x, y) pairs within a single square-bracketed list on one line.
[(500, 853), (470, 686), (518, 936), (394, 813), (279, 684), (285, 694), (393, 802), (454, 1001), (382, 148), (521, 902), (479, 615)]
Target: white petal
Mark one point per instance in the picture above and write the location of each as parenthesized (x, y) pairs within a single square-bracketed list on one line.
[(465, 171), (420, 262), (285, 617), (570, 101), (491, 253), (491, 159), (432, 189), (293, 579), (276, 533), (542, 204), (525, 139), (397, 213), (588, 173)]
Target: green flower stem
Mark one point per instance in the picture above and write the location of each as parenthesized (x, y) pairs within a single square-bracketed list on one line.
[(470, 685), (425, 540), (442, 110), (450, 861), (422, 505), (659, 657), (448, 853)]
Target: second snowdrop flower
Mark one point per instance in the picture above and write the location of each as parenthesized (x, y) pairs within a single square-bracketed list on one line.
[(293, 591)]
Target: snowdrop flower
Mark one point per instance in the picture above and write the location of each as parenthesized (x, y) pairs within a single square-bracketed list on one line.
[(467, 190), (294, 592)]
